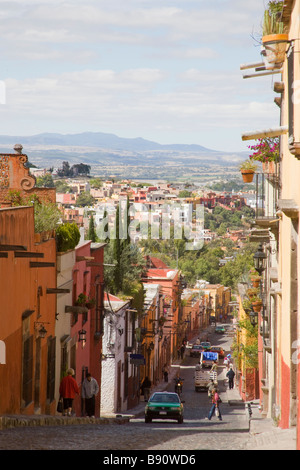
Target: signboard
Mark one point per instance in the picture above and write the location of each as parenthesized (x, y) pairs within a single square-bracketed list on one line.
[(137, 359)]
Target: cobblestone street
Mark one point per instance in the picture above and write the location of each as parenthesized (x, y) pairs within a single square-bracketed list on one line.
[(133, 434)]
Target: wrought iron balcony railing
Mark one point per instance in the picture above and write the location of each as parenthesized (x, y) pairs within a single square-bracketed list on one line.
[(266, 197)]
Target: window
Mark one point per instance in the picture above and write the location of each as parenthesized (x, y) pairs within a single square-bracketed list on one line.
[(51, 369), (27, 371)]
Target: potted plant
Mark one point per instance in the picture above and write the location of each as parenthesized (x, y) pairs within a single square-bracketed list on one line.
[(81, 300), (255, 278), (90, 302), (252, 292), (248, 169), (256, 303), (274, 37), (255, 281), (266, 151), (247, 305)]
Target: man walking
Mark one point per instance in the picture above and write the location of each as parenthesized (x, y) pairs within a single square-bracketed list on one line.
[(89, 390), (230, 374)]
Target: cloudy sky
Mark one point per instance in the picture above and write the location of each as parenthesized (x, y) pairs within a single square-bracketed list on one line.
[(164, 70)]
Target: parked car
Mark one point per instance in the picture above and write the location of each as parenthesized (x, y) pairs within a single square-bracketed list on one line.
[(164, 405), (206, 345), (219, 350), (220, 329), (196, 350)]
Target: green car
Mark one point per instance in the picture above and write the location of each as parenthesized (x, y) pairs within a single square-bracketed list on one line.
[(164, 405), (206, 345), (220, 329)]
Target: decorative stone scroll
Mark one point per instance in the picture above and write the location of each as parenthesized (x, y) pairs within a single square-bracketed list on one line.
[(16, 177), (4, 171)]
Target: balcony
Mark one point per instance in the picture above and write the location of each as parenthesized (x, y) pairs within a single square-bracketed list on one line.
[(266, 198)]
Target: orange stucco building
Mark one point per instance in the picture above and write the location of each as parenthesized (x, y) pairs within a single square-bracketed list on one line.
[(39, 327), (169, 280), (27, 299), (27, 275)]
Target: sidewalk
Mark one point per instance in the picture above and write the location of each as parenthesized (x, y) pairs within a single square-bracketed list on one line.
[(263, 433)]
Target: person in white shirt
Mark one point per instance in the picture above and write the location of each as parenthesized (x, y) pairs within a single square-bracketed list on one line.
[(89, 390)]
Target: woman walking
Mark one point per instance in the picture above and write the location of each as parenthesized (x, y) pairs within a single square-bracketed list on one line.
[(67, 390)]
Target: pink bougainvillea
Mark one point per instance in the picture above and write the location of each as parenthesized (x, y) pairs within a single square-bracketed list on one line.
[(266, 150)]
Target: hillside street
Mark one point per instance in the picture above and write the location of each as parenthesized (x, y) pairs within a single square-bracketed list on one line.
[(235, 432)]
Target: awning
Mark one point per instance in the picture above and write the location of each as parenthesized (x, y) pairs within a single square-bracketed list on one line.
[(272, 132)]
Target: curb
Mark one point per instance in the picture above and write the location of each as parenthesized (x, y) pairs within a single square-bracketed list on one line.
[(7, 422)]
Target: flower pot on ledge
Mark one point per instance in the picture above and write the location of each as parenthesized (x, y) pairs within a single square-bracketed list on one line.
[(255, 282), (90, 305), (275, 47), (247, 176), (257, 306)]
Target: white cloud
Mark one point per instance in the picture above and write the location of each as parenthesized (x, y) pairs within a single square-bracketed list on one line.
[(150, 68)]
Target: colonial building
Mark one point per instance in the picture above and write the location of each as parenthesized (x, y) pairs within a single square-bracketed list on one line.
[(277, 228)]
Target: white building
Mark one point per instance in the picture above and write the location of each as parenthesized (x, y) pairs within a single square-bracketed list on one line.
[(116, 369)]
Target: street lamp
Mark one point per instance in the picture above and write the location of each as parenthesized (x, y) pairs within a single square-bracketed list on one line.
[(253, 317), (260, 260), (82, 336), (40, 328)]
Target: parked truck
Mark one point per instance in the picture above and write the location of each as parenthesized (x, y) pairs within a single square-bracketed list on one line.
[(208, 359), (202, 378)]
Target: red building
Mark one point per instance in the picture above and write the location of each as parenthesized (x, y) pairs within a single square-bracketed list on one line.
[(86, 320)]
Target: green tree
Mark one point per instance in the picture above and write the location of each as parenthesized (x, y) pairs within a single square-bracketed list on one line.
[(80, 169), (67, 236), (103, 229), (96, 183), (184, 193), (45, 181), (85, 199), (62, 186), (117, 251), (92, 235)]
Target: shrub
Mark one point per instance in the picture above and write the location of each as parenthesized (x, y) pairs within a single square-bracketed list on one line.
[(67, 237)]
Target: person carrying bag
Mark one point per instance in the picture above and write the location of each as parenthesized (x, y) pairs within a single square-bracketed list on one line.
[(215, 408)]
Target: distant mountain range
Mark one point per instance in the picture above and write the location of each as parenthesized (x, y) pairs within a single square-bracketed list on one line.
[(108, 153), (98, 139)]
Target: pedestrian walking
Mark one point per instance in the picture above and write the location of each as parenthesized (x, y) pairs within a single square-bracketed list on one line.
[(146, 387), (230, 374), (211, 386), (68, 389), (165, 372), (215, 405), (182, 349), (89, 391)]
